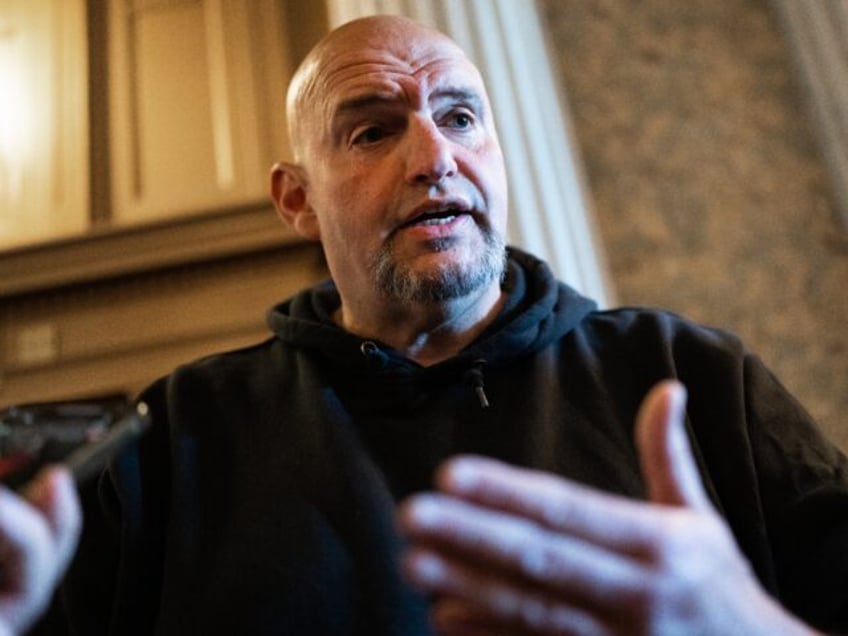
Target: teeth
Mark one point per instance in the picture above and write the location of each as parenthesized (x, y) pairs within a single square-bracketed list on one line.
[(439, 221)]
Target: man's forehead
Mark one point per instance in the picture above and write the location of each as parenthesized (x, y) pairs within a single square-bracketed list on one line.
[(402, 38), (380, 56), (369, 85), (432, 62)]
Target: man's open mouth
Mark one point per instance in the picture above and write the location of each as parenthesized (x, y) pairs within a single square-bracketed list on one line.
[(442, 218), (436, 217)]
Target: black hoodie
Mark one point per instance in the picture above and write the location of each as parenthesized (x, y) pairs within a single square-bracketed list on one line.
[(262, 501)]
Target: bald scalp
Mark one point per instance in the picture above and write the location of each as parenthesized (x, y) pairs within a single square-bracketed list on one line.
[(388, 32)]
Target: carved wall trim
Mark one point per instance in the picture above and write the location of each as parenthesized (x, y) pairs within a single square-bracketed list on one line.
[(120, 251), (118, 335)]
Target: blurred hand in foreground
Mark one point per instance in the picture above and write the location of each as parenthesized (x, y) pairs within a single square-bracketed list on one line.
[(508, 550), (39, 530)]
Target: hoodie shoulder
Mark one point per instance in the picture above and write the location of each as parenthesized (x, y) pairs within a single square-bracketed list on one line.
[(656, 343), (654, 324)]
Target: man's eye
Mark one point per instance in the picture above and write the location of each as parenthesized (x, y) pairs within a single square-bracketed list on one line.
[(370, 135), (463, 120), (460, 121)]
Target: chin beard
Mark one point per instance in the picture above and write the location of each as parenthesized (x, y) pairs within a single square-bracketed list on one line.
[(453, 281)]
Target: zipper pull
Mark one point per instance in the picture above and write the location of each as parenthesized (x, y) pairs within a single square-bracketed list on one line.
[(474, 377)]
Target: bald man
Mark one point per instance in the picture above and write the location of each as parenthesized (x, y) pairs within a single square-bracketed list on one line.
[(267, 498), (399, 174)]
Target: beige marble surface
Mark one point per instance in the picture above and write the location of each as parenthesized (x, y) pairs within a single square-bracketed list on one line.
[(710, 193)]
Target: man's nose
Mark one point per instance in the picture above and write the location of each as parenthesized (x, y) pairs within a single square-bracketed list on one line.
[(428, 153)]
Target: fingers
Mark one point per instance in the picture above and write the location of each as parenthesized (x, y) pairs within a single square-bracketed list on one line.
[(38, 535), (519, 549), (477, 602), (25, 550), (671, 476), (504, 548), (53, 493), (24, 538), (611, 521)]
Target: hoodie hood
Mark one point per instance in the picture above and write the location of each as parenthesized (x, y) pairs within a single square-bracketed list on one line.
[(538, 310)]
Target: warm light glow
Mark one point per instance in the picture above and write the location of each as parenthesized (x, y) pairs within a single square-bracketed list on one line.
[(43, 120), (15, 114)]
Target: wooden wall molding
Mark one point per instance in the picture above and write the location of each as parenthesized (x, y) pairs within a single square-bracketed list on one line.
[(119, 334), (107, 253)]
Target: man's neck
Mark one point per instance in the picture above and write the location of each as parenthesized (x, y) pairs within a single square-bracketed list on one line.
[(424, 332)]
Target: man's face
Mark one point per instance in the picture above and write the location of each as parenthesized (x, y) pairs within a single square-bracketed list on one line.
[(404, 171)]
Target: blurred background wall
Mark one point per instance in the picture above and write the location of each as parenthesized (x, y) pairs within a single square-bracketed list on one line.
[(707, 181)]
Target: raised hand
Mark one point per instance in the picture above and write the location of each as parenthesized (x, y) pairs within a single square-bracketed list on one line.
[(511, 551)]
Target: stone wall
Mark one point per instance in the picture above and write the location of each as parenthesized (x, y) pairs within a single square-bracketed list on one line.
[(710, 193)]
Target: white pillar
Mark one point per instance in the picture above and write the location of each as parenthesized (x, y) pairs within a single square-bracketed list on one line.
[(817, 32), (550, 208)]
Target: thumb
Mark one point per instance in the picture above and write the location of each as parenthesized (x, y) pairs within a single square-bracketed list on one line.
[(668, 467)]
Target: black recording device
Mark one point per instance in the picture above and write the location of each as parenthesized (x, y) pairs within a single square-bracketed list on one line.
[(83, 436)]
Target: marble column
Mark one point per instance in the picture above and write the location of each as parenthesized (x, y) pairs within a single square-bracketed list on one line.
[(817, 33)]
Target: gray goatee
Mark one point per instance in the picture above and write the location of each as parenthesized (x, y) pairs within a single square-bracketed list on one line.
[(403, 284)]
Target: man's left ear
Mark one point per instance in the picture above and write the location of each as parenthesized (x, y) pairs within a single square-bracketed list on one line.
[(288, 190)]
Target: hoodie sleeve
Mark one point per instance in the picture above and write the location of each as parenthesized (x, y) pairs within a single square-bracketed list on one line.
[(803, 482)]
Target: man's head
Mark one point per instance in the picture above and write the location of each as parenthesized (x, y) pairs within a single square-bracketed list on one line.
[(399, 172)]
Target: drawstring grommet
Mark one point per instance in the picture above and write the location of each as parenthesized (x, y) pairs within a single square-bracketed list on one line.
[(375, 357), (369, 348)]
